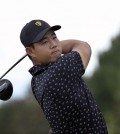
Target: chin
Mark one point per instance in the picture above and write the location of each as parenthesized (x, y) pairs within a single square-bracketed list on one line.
[(55, 58)]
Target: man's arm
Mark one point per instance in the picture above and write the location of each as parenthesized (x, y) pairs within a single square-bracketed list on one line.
[(81, 47)]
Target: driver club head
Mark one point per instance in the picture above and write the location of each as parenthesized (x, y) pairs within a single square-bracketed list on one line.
[(6, 89)]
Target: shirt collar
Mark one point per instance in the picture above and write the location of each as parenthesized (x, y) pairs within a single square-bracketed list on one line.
[(38, 68)]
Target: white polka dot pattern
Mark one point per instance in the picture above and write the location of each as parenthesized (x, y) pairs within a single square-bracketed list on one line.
[(65, 98)]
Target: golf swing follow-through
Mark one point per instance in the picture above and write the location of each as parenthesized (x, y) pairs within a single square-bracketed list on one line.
[(6, 87), (57, 83)]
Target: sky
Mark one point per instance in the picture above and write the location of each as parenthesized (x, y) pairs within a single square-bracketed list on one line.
[(94, 21)]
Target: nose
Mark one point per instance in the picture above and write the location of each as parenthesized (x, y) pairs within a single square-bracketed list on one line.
[(53, 44)]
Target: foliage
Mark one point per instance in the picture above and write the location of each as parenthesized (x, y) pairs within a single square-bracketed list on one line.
[(22, 117), (105, 85)]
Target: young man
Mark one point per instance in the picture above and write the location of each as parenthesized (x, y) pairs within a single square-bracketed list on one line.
[(57, 80)]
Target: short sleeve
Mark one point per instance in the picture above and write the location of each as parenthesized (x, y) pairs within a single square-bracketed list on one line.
[(72, 62)]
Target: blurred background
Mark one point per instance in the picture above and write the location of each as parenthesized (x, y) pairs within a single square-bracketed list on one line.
[(97, 22)]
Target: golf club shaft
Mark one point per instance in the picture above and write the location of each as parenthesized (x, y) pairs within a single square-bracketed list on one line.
[(13, 66)]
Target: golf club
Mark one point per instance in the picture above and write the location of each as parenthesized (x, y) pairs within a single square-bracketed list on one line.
[(6, 87)]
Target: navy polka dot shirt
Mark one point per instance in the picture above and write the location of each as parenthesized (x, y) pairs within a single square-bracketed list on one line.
[(65, 98)]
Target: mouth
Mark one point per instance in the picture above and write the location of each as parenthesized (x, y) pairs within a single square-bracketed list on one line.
[(55, 52)]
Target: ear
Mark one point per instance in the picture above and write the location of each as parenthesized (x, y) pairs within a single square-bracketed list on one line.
[(30, 51)]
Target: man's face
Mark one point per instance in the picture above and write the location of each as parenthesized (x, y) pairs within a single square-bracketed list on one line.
[(47, 50)]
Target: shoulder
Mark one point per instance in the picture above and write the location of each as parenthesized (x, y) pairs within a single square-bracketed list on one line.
[(82, 47), (70, 62), (68, 58)]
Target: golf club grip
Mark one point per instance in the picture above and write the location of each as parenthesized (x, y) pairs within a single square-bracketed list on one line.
[(13, 66)]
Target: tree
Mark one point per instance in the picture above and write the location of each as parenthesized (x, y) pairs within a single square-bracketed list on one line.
[(105, 85), (23, 117)]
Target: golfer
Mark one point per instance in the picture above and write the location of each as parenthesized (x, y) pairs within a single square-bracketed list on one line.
[(57, 82)]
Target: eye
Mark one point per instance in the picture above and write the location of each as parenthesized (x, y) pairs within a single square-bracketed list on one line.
[(54, 37), (43, 42)]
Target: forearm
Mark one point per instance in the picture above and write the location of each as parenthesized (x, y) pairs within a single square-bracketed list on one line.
[(69, 45)]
